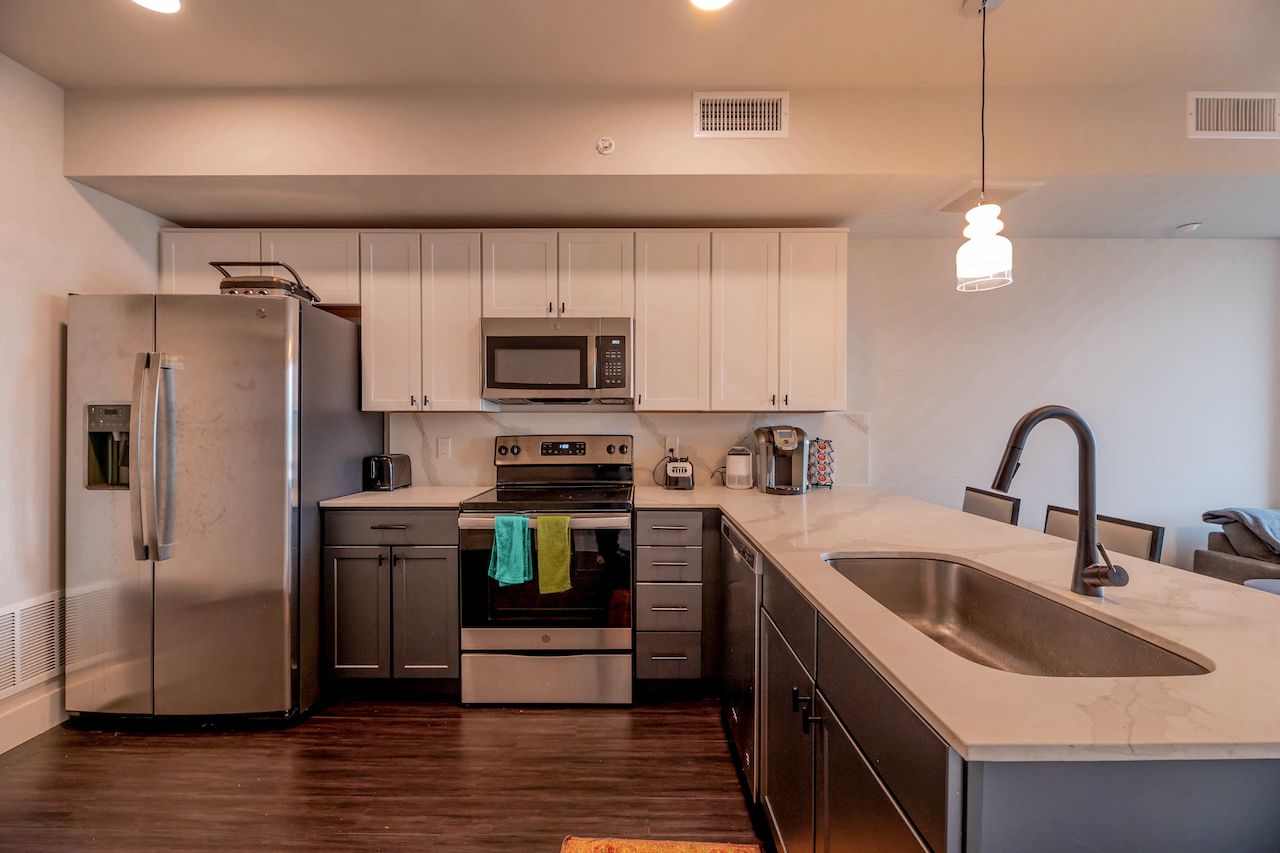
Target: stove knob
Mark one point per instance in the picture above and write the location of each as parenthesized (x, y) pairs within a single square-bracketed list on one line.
[(610, 450), (502, 450), (515, 450), (623, 449)]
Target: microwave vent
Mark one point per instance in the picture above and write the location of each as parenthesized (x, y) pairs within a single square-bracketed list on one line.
[(741, 115), (1233, 115)]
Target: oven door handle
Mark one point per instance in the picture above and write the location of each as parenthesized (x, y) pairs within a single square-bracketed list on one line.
[(576, 522)]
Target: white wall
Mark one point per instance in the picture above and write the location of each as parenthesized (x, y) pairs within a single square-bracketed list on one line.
[(55, 237), (1169, 348)]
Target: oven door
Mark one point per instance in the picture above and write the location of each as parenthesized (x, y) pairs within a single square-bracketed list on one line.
[(594, 613), (559, 367)]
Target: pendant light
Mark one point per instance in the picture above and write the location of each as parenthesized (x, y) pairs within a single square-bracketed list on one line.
[(985, 261)]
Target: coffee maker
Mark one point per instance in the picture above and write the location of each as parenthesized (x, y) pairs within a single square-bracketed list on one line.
[(782, 460)]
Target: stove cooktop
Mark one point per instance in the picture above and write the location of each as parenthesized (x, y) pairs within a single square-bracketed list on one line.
[(551, 498)]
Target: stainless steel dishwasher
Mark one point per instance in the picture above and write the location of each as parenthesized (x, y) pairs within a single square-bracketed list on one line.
[(740, 668)]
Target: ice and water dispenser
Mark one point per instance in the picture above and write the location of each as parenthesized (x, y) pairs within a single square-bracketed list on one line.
[(108, 456)]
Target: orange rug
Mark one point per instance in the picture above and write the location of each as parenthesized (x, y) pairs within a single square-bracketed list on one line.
[(573, 844)]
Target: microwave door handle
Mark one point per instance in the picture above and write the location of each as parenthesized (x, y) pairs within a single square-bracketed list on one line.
[(141, 373), (593, 363)]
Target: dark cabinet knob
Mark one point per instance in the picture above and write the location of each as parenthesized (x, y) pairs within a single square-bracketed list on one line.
[(515, 450), (610, 450), (623, 448)]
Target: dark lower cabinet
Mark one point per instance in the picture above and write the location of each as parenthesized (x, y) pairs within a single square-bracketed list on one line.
[(357, 617), (390, 605), (424, 613), (852, 810), (787, 777)]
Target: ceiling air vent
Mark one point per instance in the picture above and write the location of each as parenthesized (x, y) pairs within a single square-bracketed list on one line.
[(741, 115), (1233, 115)]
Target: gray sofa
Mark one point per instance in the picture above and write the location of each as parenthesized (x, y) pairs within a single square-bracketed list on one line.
[(1237, 555)]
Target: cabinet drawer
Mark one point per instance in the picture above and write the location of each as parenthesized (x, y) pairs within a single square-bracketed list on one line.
[(668, 607), (681, 565), (668, 528), (918, 767), (668, 654), (792, 613), (390, 527)]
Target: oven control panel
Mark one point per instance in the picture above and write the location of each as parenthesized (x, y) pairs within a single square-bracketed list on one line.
[(562, 450)]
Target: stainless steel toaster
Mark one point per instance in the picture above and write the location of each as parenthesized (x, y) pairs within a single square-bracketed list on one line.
[(386, 472)]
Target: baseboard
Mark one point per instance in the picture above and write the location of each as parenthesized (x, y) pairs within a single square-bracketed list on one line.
[(31, 712)]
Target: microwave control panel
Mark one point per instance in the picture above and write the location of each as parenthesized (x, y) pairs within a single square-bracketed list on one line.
[(611, 361)]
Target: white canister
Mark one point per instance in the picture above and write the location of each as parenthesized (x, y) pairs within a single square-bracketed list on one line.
[(737, 468)]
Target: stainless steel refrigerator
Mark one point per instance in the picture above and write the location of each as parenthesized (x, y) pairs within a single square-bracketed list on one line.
[(201, 433)]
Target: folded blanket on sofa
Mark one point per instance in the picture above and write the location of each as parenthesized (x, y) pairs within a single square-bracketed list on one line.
[(1261, 523)]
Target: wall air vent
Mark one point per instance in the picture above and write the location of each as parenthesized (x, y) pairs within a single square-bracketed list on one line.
[(1233, 115), (741, 115), (30, 643)]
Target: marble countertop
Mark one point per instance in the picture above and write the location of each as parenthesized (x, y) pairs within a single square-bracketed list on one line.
[(410, 497), (988, 714)]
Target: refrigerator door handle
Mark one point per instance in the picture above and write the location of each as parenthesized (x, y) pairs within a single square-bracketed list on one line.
[(162, 474), (136, 455)]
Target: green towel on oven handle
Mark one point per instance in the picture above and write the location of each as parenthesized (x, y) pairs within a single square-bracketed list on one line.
[(553, 553), (509, 560)]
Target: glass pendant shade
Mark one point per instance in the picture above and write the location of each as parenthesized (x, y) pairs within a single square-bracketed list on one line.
[(985, 261)]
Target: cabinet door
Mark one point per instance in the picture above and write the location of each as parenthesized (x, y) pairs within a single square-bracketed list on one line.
[(390, 322), (813, 305), (787, 772), (357, 607), (185, 257), (673, 321), (451, 342), (424, 596), (520, 274), (597, 274), (744, 321), (327, 260), (853, 810)]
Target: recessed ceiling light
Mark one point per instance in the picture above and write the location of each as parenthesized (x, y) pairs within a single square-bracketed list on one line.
[(168, 7), (704, 5)]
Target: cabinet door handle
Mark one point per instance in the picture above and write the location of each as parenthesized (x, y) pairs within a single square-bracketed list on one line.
[(388, 527), (382, 558), (798, 701), (551, 308), (670, 564), (413, 401), (806, 721), (669, 527), (668, 657), (562, 309), (773, 399), (396, 559), (669, 609), (786, 399)]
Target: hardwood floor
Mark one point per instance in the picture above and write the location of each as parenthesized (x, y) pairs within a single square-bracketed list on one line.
[(382, 775)]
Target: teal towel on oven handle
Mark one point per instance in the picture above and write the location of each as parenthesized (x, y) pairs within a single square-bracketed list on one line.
[(509, 560)]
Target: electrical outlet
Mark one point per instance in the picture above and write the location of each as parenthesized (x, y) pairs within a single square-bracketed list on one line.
[(672, 444), (444, 447)]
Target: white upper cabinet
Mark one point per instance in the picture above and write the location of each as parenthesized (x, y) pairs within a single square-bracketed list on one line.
[(597, 274), (391, 322), (673, 320), (328, 261), (744, 321), (520, 273), (451, 342), (813, 321), (185, 257)]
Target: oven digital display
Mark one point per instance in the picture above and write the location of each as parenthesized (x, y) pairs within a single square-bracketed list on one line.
[(564, 448)]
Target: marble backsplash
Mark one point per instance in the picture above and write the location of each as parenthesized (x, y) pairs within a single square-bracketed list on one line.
[(704, 438)]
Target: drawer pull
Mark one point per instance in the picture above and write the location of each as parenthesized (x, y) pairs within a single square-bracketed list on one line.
[(672, 563), (668, 657), (682, 529), (669, 609), (389, 527)]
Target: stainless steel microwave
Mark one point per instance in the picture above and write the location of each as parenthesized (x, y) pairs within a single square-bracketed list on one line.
[(570, 360)]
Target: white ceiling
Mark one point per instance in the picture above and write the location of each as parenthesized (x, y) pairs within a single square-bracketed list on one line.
[(94, 44), (871, 205)]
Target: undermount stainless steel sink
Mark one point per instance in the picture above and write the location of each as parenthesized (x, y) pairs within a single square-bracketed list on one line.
[(1001, 625)]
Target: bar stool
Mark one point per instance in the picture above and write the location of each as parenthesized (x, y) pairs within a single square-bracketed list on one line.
[(994, 505), (1134, 538)]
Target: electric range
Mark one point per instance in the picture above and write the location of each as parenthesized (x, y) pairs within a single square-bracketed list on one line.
[(521, 645)]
